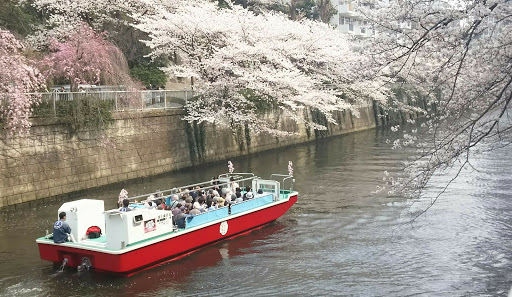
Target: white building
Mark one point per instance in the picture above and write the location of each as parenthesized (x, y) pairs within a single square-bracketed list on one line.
[(348, 20)]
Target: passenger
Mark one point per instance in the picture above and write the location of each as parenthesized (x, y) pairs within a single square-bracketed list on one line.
[(234, 184), (176, 211), (202, 202), (147, 202), (227, 197), (248, 189), (199, 204), (188, 206), (216, 193), (260, 191), (238, 197), (220, 202), (212, 206), (123, 195), (224, 190), (209, 201), (194, 211), (179, 217), (185, 194), (249, 195), (167, 207), (189, 199), (126, 204), (61, 229), (193, 193), (174, 200)]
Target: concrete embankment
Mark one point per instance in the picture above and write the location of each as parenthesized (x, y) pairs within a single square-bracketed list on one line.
[(54, 161)]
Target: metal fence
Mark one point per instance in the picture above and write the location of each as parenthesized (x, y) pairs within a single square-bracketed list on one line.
[(122, 100)]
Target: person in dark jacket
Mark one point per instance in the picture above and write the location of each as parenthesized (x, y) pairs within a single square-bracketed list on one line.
[(126, 205), (61, 229)]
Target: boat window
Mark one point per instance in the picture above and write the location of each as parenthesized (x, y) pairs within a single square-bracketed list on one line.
[(137, 218)]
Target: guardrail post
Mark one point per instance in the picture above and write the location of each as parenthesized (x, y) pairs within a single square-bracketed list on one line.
[(165, 99), (53, 103), (115, 101)]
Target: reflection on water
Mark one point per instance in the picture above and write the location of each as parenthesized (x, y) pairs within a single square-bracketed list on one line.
[(341, 238)]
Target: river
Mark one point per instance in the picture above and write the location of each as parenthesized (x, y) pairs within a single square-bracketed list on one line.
[(341, 238)]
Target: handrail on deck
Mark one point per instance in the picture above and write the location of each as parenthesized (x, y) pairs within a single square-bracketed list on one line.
[(175, 189), (286, 176)]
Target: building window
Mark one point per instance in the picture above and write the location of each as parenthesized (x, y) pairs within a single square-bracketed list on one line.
[(346, 21)]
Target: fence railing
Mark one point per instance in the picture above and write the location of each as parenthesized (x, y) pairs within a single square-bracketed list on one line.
[(123, 100)]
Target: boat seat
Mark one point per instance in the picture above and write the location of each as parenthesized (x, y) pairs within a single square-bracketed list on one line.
[(95, 242)]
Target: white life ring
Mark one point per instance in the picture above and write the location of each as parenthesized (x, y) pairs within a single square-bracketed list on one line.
[(223, 228)]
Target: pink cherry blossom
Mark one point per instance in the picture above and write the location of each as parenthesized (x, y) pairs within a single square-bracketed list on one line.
[(85, 57), (18, 77)]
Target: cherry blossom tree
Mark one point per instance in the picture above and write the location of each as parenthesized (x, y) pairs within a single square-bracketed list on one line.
[(243, 61), (18, 77), (458, 55), (86, 57), (63, 17)]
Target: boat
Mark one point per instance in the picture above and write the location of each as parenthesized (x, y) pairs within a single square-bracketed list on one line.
[(131, 241)]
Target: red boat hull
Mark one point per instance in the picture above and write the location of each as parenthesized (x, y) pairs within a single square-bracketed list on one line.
[(131, 261)]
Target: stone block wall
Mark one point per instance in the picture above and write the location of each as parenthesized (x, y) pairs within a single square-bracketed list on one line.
[(53, 161)]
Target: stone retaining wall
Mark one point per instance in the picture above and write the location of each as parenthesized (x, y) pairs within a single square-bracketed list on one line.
[(53, 161)]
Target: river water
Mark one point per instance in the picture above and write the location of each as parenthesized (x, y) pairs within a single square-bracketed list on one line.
[(341, 238)]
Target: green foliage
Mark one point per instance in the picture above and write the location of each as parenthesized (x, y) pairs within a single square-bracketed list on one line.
[(149, 75), (83, 113), (86, 113), (238, 132), (196, 138), (261, 103), (130, 42), (305, 8), (319, 118), (248, 136), (189, 130), (306, 117), (320, 10), (19, 18), (200, 136)]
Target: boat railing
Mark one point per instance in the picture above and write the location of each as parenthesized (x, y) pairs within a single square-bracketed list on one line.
[(285, 177), (175, 190), (235, 174)]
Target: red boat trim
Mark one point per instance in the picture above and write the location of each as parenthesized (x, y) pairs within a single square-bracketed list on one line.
[(184, 254)]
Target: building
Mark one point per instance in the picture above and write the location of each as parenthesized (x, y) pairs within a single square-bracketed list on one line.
[(349, 20)]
